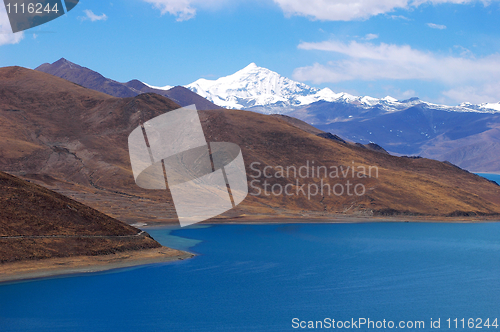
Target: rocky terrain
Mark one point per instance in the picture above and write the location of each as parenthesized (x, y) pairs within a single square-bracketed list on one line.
[(74, 140)]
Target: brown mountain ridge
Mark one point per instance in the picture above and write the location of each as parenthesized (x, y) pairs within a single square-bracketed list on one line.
[(93, 80), (74, 140)]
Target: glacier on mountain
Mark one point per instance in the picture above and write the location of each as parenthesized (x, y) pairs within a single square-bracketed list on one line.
[(260, 89)]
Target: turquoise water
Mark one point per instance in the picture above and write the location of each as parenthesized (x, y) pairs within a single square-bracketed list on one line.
[(260, 277), (491, 176)]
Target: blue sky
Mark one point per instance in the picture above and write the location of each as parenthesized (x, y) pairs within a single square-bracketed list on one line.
[(443, 51)]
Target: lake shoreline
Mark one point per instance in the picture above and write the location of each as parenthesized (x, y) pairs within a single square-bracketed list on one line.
[(257, 220), (44, 268), (30, 270), (275, 272)]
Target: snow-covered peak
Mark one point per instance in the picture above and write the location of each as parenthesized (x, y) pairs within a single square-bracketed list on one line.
[(264, 90), (250, 67), (255, 86), (166, 87), (483, 108), (490, 106), (390, 99), (261, 89)]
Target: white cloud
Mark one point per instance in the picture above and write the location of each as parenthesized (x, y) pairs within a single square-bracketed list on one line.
[(185, 9), (436, 26), (485, 93), (347, 10), (400, 17), (6, 35), (339, 10), (370, 62), (407, 94), (371, 36), (458, 2), (325, 10), (464, 52), (398, 94), (89, 15)]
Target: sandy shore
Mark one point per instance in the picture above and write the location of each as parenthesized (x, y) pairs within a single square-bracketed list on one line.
[(350, 219), (83, 264), (306, 219)]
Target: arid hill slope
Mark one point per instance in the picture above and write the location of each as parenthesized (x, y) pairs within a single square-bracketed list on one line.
[(74, 140), (38, 223)]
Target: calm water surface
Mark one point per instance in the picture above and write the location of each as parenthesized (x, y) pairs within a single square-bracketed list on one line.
[(491, 176), (260, 277)]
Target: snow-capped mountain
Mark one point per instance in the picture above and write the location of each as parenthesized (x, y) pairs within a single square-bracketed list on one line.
[(260, 89), (166, 87), (485, 107), (255, 86)]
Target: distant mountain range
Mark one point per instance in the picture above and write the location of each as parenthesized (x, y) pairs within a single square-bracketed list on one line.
[(260, 89), (74, 140), (466, 135), (251, 88), (93, 80)]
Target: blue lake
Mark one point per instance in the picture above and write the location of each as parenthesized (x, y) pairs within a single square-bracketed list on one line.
[(491, 176), (260, 277)]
